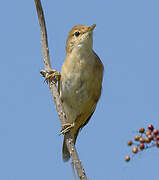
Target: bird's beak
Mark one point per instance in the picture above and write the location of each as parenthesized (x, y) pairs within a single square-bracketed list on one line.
[(92, 27)]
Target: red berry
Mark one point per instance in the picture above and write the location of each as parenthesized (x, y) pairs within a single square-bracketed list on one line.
[(141, 146), (150, 127), (147, 140), (136, 138), (142, 140), (157, 138), (129, 142), (157, 143), (155, 132), (141, 130), (135, 149), (127, 158), (150, 137)]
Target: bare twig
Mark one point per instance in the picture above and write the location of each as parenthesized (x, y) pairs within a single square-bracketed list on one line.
[(73, 171), (55, 94)]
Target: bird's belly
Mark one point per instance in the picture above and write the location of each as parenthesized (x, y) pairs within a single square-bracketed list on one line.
[(76, 92)]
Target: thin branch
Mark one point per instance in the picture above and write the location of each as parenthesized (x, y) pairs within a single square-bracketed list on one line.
[(73, 171), (55, 94)]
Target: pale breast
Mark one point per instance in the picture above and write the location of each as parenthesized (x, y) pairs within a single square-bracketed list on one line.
[(81, 83)]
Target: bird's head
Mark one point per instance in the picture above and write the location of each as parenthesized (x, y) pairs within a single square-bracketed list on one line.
[(80, 37)]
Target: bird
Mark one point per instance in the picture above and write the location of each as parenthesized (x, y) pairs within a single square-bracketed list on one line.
[(81, 81)]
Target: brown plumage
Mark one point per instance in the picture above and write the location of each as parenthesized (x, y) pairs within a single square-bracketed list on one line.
[(81, 80)]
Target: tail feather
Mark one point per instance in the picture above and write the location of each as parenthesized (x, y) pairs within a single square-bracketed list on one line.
[(65, 152), (74, 133)]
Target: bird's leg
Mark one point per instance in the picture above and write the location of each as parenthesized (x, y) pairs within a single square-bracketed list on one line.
[(52, 75), (66, 128)]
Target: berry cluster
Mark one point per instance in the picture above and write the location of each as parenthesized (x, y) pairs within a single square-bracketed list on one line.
[(146, 139)]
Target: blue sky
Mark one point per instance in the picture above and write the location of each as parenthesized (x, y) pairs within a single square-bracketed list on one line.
[(127, 41)]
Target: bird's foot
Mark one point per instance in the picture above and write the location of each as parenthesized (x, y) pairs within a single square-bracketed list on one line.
[(51, 75), (66, 128)]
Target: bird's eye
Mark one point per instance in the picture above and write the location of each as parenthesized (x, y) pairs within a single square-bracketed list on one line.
[(77, 33)]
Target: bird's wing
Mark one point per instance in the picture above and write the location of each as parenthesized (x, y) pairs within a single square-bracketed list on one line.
[(75, 133)]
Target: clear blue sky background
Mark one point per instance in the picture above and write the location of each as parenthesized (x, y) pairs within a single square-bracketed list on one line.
[(127, 40)]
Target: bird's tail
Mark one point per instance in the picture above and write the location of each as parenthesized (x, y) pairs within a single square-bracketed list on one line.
[(65, 152)]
